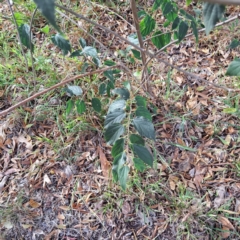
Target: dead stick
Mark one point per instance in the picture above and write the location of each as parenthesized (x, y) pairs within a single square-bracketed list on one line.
[(3, 113)]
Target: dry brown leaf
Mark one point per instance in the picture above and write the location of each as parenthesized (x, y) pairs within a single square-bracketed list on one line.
[(105, 165), (126, 208), (65, 208), (34, 204)]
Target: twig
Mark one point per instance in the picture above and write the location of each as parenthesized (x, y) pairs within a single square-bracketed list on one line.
[(31, 50), (18, 34), (3, 113)]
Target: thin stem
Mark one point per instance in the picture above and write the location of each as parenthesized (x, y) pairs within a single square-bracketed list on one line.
[(3, 113), (18, 34), (31, 50)]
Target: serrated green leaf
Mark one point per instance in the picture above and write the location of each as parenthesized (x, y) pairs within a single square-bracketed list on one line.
[(82, 42), (136, 54), (175, 23), (109, 75), (90, 51), (134, 138), (143, 153), (167, 37), (115, 175), (102, 89), (114, 117), (212, 13), (76, 53), (147, 25), (144, 127), (119, 161), (167, 8), (139, 164), (96, 104), (97, 61), (113, 132), (157, 4), (235, 43), (118, 147), (122, 176), (47, 8), (141, 101), (81, 106), (182, 30), (141, 14), (117, 104), (109, 63), (230, 110), (24, 32), (122, 92), (143, 112), (195, 30), (158, 39), (62, 43), (74, 90), (234, 68), (70, 105)]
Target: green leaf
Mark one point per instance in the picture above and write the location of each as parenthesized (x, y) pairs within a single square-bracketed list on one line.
[(70, 105), (76, 53), (96, 104), (127, 85), (141, 101), (114, 117), (212, 13), (144, 127), (119, 161), (45, 29), (167, 37), (188, 2), (167, 8), (143, 153), (90, 51), (139, 164), (115, 175), (234, 68), (97, 61), (117, 104), (109, 75), (134, 138), (74, 90), (175, 23), (24, 32), (141, 14), (122, 176), (182, 30), (123, 92), (118, 147), (157, 4), (158, 39), (235, 43), (47, 8), (81, 106), (136, 54), (82, 42), (230, 110), (109, 63), (113, 132), (143, 112), (147, 25), (195, 30), (62, 43), (20, 18), (102, 89)]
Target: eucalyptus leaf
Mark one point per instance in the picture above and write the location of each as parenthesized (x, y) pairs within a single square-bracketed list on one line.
[(113, 132)]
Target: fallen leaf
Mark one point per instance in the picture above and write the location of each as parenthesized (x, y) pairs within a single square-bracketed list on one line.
[(34, 204), (105, 165)]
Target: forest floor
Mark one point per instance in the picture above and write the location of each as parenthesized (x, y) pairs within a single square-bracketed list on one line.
[(52, 184)]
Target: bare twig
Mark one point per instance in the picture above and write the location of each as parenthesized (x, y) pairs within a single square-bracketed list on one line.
[(18, 34), (3, 113)]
